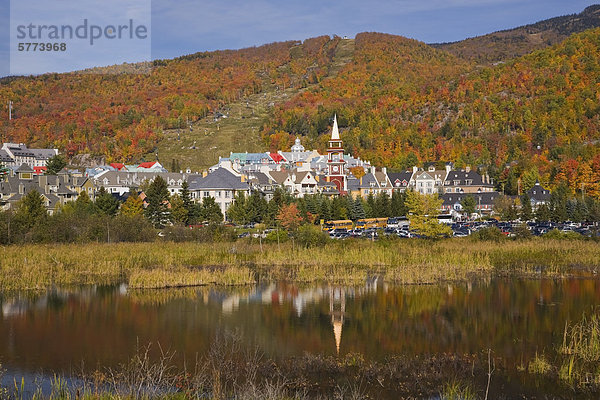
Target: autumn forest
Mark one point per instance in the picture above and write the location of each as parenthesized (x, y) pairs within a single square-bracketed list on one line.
[(400, 102)]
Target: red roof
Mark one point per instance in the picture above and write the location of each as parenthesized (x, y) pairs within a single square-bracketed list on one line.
[(39, 170), (147, 164), (117, 165), (277, 157)]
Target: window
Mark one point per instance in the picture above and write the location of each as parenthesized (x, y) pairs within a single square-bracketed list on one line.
[(205, 194)]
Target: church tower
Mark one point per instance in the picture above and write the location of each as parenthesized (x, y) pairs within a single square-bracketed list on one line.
[(335, 159)]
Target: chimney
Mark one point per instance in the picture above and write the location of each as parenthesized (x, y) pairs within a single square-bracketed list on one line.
[(384, 170), (448, 168), (243, 178), (468, 168), (415, 169), (204, 173)]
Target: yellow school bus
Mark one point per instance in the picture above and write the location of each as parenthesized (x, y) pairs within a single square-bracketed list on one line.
[(367, 223), (339, 224)]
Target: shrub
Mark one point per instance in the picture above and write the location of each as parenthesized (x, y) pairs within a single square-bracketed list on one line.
[(522, 232), (556, 234), (312, 236), (490, 234), (277, 236)]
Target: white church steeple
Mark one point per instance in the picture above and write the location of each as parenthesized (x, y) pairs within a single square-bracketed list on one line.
[(335, 134)]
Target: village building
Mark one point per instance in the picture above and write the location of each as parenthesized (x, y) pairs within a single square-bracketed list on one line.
[(373, 183), (467, 181), (484, 202), (14, 155), (222, 185), (400, 181), (538, 195), (56, 190)]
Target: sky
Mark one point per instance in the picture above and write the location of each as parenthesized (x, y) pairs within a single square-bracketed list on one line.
[(186, 26)]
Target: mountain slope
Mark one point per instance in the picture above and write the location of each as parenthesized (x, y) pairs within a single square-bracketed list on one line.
[(512, 43), (238, 129), (123, 116), (402, 103)]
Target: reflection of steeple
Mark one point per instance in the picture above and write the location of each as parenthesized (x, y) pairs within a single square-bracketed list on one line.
[(337, 295)]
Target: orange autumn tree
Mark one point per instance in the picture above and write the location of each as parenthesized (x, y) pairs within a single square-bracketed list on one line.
[(289, 217)]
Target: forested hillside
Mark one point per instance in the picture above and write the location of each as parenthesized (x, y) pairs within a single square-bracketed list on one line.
[(511, 43), (123, 115), (399, 102), (403, 103)]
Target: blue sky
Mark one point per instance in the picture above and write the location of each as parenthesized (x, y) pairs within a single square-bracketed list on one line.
[(187, 26)]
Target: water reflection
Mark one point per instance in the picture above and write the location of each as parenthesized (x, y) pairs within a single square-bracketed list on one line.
[(100, 326)]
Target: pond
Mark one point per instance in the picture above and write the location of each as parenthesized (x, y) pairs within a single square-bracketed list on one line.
[(67, 330)]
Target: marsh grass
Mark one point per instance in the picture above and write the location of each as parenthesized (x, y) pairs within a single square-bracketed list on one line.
[(167, 264), (583, 339), (539, 365), (456, 390)]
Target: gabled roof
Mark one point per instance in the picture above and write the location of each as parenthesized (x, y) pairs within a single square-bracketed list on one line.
[(398, 177), (462, 176), (260, 178), (147, 164), (24, 168), (277, 157), (117, 166), (539, 193), (279, 176), (483, 198), (219, 179)]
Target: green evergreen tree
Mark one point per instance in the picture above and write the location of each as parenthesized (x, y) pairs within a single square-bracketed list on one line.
[(324, 209), (157, 197), (398, 206), (256, 207), (558, 203), (468, 205), (83, 205), (358, 211), (188, 204), (526, 211), (542, 213), (511, 213), (237, 211), (31, 211), (55, 164), (383, 205), (211, 211), (178, 213), (106, 203), (370, 207)]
